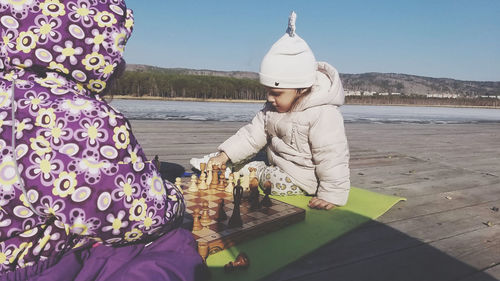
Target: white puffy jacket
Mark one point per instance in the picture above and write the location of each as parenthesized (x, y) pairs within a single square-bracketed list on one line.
[(308, 142)]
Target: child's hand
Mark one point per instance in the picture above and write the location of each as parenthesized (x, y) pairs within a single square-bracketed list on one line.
[(218, 160), (320, 204)]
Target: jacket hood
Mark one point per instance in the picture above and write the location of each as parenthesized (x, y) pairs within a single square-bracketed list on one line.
[(83, 39), (327, 89)]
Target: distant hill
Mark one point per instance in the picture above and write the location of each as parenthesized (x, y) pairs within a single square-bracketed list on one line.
[(417, 85), (371, 82)]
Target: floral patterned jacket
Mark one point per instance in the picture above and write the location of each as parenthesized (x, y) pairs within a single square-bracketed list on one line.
[(70, 167)]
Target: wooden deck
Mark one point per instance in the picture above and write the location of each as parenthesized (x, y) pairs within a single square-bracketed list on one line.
[(450, 175)]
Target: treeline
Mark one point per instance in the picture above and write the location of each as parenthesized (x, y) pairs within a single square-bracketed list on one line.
[(172, 84)]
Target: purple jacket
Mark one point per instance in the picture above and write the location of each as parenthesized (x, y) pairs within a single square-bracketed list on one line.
[(70, 168)]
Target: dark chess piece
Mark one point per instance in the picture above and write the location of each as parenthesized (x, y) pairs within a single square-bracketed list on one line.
[(266, 201), (241, 262), (221, 214), (235, 220), (254, 197), (215, 178)]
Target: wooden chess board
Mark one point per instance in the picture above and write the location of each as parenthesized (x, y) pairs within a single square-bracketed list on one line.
[(218, 236)]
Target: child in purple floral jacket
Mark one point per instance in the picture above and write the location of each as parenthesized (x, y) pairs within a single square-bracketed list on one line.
[(71, 171)]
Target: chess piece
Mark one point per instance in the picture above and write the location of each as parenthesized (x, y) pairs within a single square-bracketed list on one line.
[(225, 171), (221, 213), (222, 182), (202, 185), (253, 182), (209, 175), (241, 262), (254, 195), (203, 250), (253, 188), (157, 163), (266, 201), (196, 220), (215, 177), (230, 185), (178, 183), (205, 217), (253, 177), (193, 186), (235, 220), (252, 172)]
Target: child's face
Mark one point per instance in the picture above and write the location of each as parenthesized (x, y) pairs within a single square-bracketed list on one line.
[(282, 99)]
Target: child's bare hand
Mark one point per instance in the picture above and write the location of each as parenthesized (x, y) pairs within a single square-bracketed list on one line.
[(218, 160), (320, 204)]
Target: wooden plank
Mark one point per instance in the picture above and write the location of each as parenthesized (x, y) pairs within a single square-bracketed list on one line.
[(480, 248), (388, 159), (445, 201), (492, 273), (376, 177), (455, 181)]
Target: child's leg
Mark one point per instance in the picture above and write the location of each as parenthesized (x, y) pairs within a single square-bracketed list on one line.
[(281, 182), (242, 168)]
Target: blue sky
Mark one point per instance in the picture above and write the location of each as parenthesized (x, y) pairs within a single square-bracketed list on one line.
[(442, 38)]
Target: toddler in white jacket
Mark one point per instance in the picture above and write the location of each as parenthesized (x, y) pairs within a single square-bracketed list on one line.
[(300, 126)]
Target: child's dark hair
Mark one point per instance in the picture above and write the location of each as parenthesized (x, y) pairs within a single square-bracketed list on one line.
[(303, 92)]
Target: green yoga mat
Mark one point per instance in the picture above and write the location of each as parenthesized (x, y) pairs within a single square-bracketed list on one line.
[(273, 251)]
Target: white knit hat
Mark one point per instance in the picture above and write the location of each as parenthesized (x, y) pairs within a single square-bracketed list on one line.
[(289, 63)]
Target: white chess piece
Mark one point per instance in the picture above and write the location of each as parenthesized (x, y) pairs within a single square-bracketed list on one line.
[(230, 184), (209, 176), (193, 187), (202, 185), (178, 183)]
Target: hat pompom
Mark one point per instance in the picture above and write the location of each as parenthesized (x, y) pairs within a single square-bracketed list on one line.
[(291, 24)]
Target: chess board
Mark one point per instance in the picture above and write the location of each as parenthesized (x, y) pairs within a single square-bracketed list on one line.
[(218, 236)]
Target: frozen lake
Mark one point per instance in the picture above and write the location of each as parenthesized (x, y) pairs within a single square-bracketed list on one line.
[(226, 112)]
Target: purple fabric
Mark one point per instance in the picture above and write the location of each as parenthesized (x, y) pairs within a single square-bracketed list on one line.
[(70, 166), (171, 257)]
